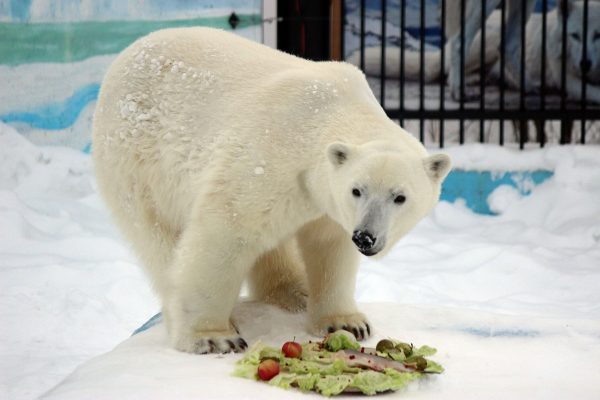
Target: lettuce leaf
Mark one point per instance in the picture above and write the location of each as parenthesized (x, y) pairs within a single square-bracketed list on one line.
[(270, 352), (304, 367), (371, 382), (400, 379), (307, 382), (331, 385), (341, 340), (423, 351), (248, 371), (252, 355), (434, 367), (283, 380)]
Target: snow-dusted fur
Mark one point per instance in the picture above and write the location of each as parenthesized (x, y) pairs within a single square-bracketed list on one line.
[(222, 159), (533, 54)]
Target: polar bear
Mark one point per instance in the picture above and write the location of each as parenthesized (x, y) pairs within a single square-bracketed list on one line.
[(221, 159)]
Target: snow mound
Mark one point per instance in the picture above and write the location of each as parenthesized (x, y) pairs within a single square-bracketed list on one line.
[(486, 356)]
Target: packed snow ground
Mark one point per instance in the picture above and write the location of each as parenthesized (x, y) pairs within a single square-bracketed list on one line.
[(70, 289), (486, 356)]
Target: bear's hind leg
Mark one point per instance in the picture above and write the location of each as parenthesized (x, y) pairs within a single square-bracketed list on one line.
[(278, 278), (331, 264), (210, 263)]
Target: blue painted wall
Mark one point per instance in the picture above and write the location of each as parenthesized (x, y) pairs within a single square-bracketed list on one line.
[(54, 54), (59, 115), (474, 187)]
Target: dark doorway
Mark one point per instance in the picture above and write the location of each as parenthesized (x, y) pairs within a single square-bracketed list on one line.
[(303, 28)]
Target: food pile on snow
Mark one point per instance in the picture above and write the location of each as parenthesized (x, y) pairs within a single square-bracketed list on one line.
[(338, 364)]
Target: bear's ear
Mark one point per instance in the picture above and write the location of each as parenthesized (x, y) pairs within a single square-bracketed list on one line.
[(338, 153), (437, 166)]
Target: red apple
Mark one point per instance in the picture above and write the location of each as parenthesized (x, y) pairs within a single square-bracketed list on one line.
[(267, 369), (292, 349)]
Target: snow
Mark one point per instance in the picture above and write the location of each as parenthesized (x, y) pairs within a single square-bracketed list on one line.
[(486, 356), (65, 276), (511, 301), (508, 158)]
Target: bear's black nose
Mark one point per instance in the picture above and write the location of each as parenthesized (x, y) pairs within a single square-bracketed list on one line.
[(363, 240)]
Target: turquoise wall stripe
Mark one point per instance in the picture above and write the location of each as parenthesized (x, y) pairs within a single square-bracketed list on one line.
[(474, 187), (22, 43), (58, 115)]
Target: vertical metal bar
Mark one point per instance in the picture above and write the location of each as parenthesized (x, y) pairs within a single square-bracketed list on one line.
[(563, 75), (461, 132), (584, 66), (542, 124), (502, 61), (482, 70), (402, 48), (343, 30), (523, 123), (383, 40), (442, 72), (362, 34), (422, 70)]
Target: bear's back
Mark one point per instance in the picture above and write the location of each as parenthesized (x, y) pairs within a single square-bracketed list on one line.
[(185, 81), (199, 83)]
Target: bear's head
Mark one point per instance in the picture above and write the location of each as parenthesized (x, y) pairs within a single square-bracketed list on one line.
[(379, 192)]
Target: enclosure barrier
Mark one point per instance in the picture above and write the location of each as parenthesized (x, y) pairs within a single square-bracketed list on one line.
[(517, 106)]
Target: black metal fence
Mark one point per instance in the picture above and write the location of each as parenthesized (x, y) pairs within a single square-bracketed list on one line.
[(536, 71)]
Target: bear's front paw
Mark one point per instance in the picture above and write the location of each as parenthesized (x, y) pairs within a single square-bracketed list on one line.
[(212, 342), (356, 324)]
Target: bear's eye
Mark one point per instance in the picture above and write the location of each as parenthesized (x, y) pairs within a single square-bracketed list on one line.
[(356, 192), (400, 199), (576, 36)]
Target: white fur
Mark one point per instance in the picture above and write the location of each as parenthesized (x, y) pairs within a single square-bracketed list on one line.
[(211, 152)]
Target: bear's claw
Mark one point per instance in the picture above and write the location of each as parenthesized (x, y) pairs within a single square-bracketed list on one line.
[(356, 324), (213, 344)]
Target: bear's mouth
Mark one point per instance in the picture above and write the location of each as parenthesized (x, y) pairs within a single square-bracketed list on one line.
[(369, 253)]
